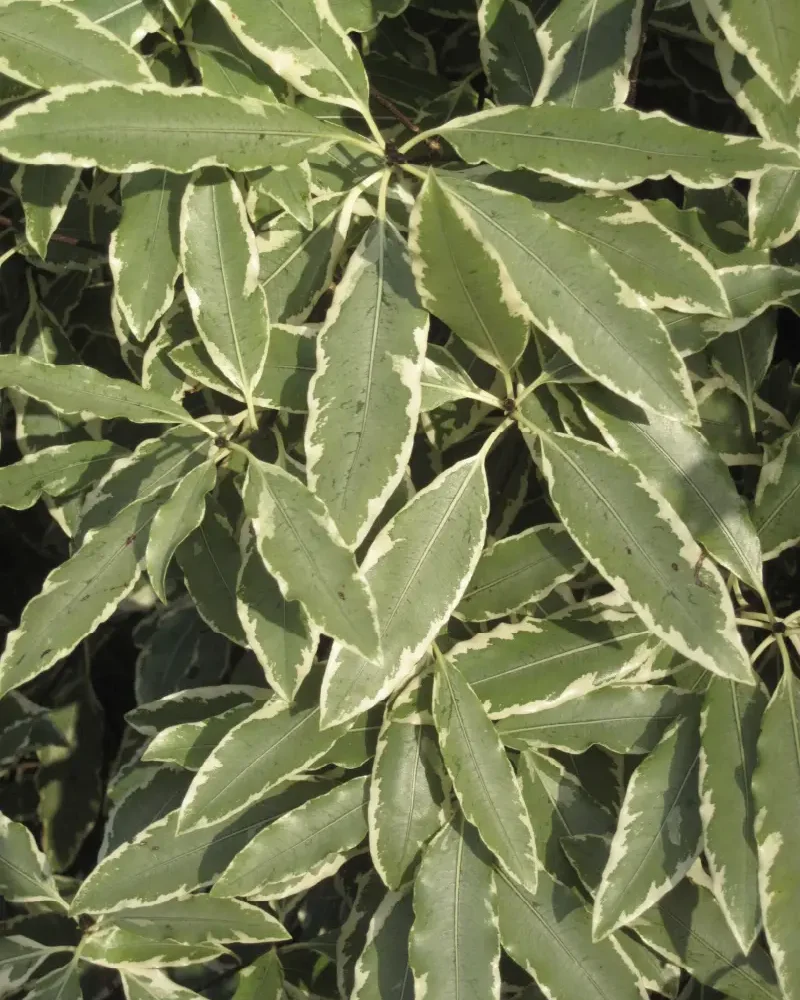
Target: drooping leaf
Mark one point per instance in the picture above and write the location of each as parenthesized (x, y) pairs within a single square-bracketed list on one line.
[(775, 511), (61, 469), (25, 875), (510, 52), (61, 984), (45, 192), (262, 979), (382, 969)]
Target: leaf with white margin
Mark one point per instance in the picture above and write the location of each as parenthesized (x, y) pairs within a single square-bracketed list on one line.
[(143, 253), (482, 776), (20, 957), (623, 718), (189, 744), (729, 728), (304, 552), (444, 380), (658, 835), (776, 788), (61, 984), (406, 799), (639, 544), (220, 264), (550, 935), (448, 253), (50, 45), (200, 919), (510, 53), (162, 864), (572, 294), (519, 570), (418, 567), (204, 129), (454, 944), (382, 969), (743, 357), (272, 744), (190, 705), (110, 947), (535, 665), (278, 631), (76, 597), (152, 984), (304, 44), (300, 848), (78, 389), (45, 192), (751, 288), (776, 511), (25, 875), (364, 399), (589, 49), (130, 21), (688, 473), (774, 208), (60, 469), (262, 979), (159, 791), (364, 15), (582, 146), (175, 520)]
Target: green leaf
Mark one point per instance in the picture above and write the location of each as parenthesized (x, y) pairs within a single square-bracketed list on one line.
[(742, 358), (262, 979), (454, 946), (417, 567), (365, 396), (56, 471), (203, 920), (482, 776), (774, 204), (143, 253), (658, 835), (520, 570), (112, 946), (406, 799), (775, 511), (382, 969), (581, 146), (130, 22), (364, 15), (203, 129), (278, 631), (636, 540), (20, 957), (448, 252), (25, 875), (445, 380), (574, 296), (729, 730), (62, 984), (152, 984), (47, 46), (189, 744), (302, 549), (45, 192), (510, 52), (77, 389), (688, 473), (219, 258), (175, 520), (300, 848), (160, 793), (775, 785)]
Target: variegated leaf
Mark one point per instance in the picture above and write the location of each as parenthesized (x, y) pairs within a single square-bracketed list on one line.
[(510, 52), (776, 512)]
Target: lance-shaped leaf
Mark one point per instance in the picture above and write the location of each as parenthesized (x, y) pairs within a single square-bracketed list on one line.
[(278, 631), (160, 792), (45, 192), (220, 262), (56, 471), (143, 253), (444, 380), (203, 129), (202, 920), (382, 969), (289, 187), (588, 50), (637, 541), (61, 984), (25, 875), (454, 946), (190, 705), (742, 358), (463, 280), (550, 935), (272, 744), (510, 53), (163, 864), (776, 511), (406, 799), (539, 664), (688, 473), (78, 389), (363, 401), (189, 744), (175, 520), (303, 44), (417, 568), (49, 45), (519, 570), (300, 848), (774, 207), (574, 296), (130, 22), (775, 787), (20, 957), (76, 597), (262, 979), (658, 835), (364, 15), (482, 776), (729, 727), (624, 719), (109, 946), (304, 552), (582, 146), (152, 984)]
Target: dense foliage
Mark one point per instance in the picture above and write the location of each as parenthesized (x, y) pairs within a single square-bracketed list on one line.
[(401, 492)]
